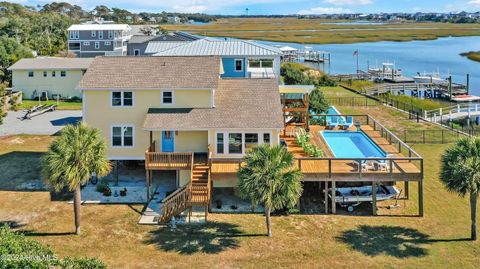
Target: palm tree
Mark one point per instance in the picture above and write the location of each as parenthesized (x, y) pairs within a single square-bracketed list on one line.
[(72, 159), (270, 179), (460, 173)]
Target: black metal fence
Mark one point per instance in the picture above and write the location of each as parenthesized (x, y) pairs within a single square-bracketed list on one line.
[(352, 101), (434, 136)]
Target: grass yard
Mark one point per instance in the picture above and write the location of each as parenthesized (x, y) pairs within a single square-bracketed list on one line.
[(62, 105), (316, 31)]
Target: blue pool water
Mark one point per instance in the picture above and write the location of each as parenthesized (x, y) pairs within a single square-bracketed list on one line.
[(348, 144), (333, 111)]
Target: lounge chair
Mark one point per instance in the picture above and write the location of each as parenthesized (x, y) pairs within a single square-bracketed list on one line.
[(369, 165), (333, 123), (347, 123)]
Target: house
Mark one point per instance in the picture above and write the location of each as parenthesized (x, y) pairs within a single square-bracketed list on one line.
[(98, 39), (179, 114), (174, 20), (240, 58), (137, 45), (50, 76)]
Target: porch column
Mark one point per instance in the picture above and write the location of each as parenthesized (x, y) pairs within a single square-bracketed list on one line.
[(334, 204), (326, 197), (151, 141), (406, 190), (374, 198), (147, 183), (420, 198)]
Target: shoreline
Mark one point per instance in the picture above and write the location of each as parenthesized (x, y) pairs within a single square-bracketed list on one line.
[(472, 55)]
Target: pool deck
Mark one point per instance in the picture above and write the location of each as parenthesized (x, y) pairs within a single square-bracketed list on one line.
[(330, 168)]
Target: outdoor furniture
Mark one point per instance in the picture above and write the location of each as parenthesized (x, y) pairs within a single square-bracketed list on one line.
[(332, 123), (347, 123), (369, 165), (382, 166)]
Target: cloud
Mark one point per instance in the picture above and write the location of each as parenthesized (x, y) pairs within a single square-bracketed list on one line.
[(350, 2), (324, 10), (474, 3)]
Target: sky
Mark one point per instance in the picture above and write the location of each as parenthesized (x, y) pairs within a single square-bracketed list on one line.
[(269, 7)]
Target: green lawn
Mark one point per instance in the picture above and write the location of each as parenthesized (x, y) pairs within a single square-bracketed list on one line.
[(62, 105)]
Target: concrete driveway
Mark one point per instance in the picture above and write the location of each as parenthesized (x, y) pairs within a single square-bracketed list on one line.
[(48, 123)]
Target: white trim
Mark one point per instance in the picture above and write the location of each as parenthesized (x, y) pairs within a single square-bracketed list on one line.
[(122, 105), (84, 107), (86, 43), (235, 64), (107, 43), (122, 135), (100, 34), (144, 89), (93, 33), (212, 98), (173, 98), (226, 133), (122, 158), (97, 45)]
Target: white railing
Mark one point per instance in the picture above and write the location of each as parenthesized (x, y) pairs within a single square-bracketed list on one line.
[(452, 112)]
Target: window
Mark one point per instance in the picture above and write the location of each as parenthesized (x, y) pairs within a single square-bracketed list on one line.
[(44, 74), (220, 149), (86, 43), (235, 143), (53, 74), (63, 73), (30, 74), (122, 98), (251, 141), (238, 65), (122, 136), (97, 45), (107, 43), (74, 46), (94, 33), (100, 34), (260, 63), (110, 34), (167, 98), (266, 138), (74, 35), (136, 52)]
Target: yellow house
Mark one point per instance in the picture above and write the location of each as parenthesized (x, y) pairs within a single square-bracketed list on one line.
[(179, 114), (49, 76)]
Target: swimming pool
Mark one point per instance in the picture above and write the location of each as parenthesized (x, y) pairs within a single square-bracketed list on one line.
[(351, 144)]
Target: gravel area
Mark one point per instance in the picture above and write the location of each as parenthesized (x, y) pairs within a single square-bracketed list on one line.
[(45, 124)]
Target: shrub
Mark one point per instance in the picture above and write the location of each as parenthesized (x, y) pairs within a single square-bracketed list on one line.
[(318, 103), (294, 75), (102, 186), (16, 251)]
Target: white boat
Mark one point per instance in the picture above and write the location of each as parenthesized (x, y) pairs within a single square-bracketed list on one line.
[(433, 78), (357, 195), (386, 71)]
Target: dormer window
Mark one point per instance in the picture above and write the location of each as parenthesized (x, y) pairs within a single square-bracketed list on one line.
[(167, 97), (238, 65)]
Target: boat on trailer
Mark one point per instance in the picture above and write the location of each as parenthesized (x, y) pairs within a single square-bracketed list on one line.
[(353, 196)]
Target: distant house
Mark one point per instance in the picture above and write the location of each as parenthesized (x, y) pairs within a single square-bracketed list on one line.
[(50, 76), (137, 45), (93, 39), (240, 58), (174, 19)]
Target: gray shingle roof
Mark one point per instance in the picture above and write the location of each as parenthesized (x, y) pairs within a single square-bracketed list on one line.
[(207, 47), (51, 63), (126, 72), (239, 103)]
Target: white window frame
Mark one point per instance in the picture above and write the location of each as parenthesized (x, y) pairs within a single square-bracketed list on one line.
[(235, 65), (64, 72), (122, 98), (86, 43), (94, 33), (110, 34), (45, 74), (136, 51), (100, 34), (74, 35), (226, 149), (173, 98), (31, 72), (122, 135), (54, 74), (107, 43), (97, 45)]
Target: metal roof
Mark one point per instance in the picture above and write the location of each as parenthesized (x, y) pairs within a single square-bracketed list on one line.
[(51, 63), (159, 46), (93, 27), (207, 47)]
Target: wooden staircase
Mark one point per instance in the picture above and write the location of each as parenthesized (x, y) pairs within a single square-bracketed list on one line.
[(194, 193)]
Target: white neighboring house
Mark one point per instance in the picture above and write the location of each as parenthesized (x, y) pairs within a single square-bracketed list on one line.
[(51, 76), (104, 39)]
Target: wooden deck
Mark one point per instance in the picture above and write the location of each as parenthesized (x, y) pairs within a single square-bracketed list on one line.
[(399, 167)]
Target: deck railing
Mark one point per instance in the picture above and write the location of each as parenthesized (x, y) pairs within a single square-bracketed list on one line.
[(175, 203), (168, 160)]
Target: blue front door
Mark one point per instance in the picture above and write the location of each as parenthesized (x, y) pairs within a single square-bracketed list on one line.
[(168, 141)]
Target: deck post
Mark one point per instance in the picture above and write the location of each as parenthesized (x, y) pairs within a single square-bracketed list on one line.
[(406, 190), (148, 184), (334, 204), (420, 198), (374, 198), (326, 197)]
